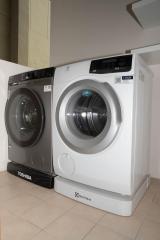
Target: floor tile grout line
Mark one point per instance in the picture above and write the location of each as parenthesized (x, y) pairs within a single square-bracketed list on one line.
[(13, 197), (17, 196), (96, 223), (36, 234), (37, 225), (118, 233), (65, 214), (44, 202), (59, 217), (29, 209), (26, 209), (89, 231), (6, 183), (146, 218), (154, 198), (43, 229), (152, 220), (68, 210), (101, 217), (25, 221), (123, 235), (139, 228)]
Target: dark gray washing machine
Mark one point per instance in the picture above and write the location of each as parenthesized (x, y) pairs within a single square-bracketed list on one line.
[(28, 123)]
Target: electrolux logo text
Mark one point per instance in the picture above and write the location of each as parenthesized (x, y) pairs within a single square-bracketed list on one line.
[(77, 195)]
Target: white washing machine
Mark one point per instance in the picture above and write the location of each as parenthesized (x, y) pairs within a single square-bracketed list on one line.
[(101, 125)]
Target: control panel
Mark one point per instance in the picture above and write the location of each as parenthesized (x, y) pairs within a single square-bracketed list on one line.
[(31, 75), (111, 65)]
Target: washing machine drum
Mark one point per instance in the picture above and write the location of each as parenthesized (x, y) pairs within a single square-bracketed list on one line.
[(88, 116), (24, 117)]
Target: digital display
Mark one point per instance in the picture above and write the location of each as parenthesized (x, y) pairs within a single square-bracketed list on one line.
[(111, 65)]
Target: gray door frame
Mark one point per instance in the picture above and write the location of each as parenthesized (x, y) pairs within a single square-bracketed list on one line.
[(73, 138)]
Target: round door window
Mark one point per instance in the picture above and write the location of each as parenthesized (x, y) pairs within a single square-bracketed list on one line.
[(87, 111), (24, 117), (88, 116)]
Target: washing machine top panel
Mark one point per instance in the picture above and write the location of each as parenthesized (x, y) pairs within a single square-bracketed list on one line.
[(88, 116), (121, 68), (24, 117)]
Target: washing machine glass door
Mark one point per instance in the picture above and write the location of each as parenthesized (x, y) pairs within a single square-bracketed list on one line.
[(24, 117), (88, 116)]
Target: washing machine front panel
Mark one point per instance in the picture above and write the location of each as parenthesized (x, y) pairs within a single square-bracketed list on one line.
[(24, 117), (110, 167), (88, 116), (28, 122)]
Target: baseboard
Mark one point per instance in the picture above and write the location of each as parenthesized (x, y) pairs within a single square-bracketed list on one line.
[(31, 175), (101, 199)]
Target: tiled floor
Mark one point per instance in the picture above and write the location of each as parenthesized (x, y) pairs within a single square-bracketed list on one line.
[(29, 212)]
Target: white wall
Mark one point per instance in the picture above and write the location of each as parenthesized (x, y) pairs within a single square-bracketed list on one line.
[(155, 124), (82, 29)]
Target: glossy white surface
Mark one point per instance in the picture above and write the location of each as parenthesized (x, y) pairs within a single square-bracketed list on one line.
[(151, 55), (122, 166), (147, 12), (115, 203)]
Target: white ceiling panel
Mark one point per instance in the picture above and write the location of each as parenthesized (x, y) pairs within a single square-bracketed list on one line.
[(147, 12)]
